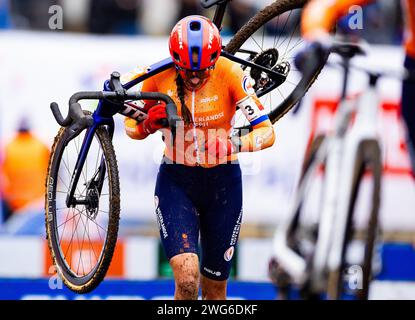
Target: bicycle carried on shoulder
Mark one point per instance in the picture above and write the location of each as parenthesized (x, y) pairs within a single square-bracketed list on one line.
[(82, 205), (313, 253)]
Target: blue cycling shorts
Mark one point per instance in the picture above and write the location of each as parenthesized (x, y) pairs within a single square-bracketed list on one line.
[(193, 201)]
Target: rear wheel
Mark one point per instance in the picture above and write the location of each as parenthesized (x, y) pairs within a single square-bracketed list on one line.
[(82, 238), (301, 232), (270, 39)]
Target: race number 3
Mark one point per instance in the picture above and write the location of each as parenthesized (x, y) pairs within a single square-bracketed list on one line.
[(250, 109)]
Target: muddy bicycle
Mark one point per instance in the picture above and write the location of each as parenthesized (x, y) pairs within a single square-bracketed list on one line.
[(83, 190)]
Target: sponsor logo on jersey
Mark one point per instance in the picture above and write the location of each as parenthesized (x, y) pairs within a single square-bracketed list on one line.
[(210, 99), (229, 254), (212, 117), (247, 85), (236, 230), (160, 220)]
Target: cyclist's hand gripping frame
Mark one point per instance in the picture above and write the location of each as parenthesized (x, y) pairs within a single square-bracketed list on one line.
[(77, 121)]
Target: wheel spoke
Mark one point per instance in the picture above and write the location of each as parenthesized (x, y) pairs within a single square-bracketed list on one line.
[(285, 25), (276, 29), (281, 94), (66, 218), (297, 43), (260, 48), (291, 37), (66, 221), (89, 238), (74, 228)]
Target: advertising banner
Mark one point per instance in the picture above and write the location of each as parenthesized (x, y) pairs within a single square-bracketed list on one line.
[(40, 68)]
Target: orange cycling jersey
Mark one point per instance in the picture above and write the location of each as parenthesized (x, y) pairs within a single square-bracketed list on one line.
[(320, 16), (213, 108)]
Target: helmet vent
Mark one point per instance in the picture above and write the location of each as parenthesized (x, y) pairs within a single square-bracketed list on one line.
[(176, 56), (195, 57), (195, 26), (213, 57)]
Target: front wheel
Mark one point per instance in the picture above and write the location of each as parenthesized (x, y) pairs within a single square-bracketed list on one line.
[(368, 166), (82, 238)]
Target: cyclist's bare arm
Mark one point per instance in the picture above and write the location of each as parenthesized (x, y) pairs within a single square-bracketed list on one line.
[(260, 138), (320, 16)]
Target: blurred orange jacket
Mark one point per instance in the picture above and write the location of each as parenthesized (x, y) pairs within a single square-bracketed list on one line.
[(24, 170), (320, 16)]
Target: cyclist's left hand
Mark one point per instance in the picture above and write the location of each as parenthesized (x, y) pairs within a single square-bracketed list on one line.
[(219, 147), (157, 119)]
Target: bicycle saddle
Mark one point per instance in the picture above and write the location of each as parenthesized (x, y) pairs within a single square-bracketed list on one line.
[(348, 49)]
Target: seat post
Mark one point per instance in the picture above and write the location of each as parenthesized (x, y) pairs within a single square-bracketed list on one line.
[(346, 69), (219, 14)]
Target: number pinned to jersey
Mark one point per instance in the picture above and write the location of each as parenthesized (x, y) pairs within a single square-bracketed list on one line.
[(250, 109)]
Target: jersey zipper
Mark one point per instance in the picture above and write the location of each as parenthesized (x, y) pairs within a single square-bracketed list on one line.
[(194, 128)]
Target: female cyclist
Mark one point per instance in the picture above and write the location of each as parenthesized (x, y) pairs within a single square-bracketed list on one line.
[(199, 187)]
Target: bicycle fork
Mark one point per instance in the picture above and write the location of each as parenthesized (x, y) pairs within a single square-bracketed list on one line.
[(327, 215), (290, 261), (97, 180)]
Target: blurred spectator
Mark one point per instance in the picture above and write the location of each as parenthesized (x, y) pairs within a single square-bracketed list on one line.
[(23, 170), (382, 23), (31, 14), (158, 16), (75, 15), (382, 20), (113, 16), (4, 14)]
